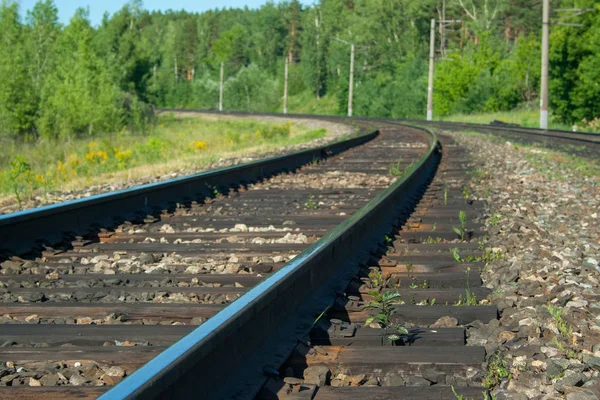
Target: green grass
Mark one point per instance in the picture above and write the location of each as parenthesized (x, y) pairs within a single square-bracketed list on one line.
[(307, 103), (525, 118), (173, 143), (556, 163)]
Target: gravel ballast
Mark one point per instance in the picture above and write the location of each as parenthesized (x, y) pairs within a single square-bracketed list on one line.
[(544, 238)]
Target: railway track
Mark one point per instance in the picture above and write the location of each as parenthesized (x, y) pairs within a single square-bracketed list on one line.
[(439, 297), (83, 313), (577, 143), (307, 255)]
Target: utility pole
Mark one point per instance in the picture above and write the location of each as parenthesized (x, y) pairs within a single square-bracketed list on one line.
[(351, 85), (285, 86), (544, 89), (443, 30), (221, 90), (431, 70)]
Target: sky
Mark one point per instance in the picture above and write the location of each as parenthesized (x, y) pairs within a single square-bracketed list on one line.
[(66, 8)]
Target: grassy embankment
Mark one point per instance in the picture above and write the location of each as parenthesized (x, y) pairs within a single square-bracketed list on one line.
[(561, 158), (526, 118), (173, 143), (307, 103)]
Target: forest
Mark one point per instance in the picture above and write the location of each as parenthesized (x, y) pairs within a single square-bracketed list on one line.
[(67, 80)]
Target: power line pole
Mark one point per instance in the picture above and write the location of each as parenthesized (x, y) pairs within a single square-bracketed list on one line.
[(544, 89), (351, 83), (285, 86), (443, 30), (221, 90), (431, 70), (351, 87)]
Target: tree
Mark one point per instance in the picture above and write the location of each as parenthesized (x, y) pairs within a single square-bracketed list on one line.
[(41, 36), (80, 96), (16, 112)]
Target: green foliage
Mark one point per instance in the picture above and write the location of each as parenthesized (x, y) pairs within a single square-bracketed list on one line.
[(461, 230), (281, 131), (19, 177), (394, 169), (310, 203), (496, 371), (153, 148), (67, 81), (470, 299), (557, 314), (574, 66), (383, 304), (376, 277), (455, 255), (51, 163), (494, 220), (466, 191), (431, 240)]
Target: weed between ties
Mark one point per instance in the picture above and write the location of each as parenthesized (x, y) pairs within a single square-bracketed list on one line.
[(383, 304)]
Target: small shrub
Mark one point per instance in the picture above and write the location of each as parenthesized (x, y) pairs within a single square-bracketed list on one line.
[(497, 371), (152, 149), (315, 134), (19, 178), (123, 158), (233, 137), (377, 279), (277, 131), (383, 304), (557, 314)]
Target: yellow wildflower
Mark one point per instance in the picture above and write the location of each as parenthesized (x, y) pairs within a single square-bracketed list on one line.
[(123, 156), (199, 145)]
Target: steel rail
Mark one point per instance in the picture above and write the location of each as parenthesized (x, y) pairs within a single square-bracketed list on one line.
[(21, 231), (232, 354), (591, 137)]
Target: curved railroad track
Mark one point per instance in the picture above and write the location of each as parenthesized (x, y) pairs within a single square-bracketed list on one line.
[(302, 242)]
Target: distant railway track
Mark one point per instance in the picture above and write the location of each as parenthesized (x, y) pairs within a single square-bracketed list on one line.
[(579, 143), (274, 266)]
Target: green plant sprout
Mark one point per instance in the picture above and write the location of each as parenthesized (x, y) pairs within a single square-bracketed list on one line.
[(377, 279), (470, 298), (461, 230), (557, 314), (310, 203), (497, 371), (409, 267), (394, 169), (455, 255), (431, 240), (388, 240), (466, 190), (383, 303), (495, 219)]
